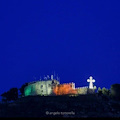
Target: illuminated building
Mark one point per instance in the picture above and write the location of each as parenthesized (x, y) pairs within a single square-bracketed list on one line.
[(66, 88), (52, 86), (44, 87)]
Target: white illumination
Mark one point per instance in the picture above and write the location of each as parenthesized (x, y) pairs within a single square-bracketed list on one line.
[(51, 77), (91, 81)]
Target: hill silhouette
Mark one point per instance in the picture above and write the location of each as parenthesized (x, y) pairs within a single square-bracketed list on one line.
[(90, 105)]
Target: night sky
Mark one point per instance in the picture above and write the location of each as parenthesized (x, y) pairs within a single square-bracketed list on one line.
[(74, 38)]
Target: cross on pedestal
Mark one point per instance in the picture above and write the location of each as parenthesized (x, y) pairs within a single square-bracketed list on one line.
[(91, 81)]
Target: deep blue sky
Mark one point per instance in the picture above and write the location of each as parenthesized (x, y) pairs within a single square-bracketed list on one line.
[(74, 38)]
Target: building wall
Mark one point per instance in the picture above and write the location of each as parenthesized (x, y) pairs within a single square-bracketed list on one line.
[(49, 87), (63, 89), (40, 88), (82, 90)]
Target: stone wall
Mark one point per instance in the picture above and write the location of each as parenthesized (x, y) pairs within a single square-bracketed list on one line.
[(64, 89), (82, 90), (40, 88)]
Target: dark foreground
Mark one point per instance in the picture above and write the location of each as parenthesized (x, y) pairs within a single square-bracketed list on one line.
[(61, 106)]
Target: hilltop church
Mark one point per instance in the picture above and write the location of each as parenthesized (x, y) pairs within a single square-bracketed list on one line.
[(52, 86)]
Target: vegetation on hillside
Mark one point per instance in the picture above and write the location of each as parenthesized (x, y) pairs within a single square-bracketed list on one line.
[(10, 95), (112, 93), (103, 103)]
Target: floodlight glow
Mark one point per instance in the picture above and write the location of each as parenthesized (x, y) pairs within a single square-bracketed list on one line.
[(28, 91)]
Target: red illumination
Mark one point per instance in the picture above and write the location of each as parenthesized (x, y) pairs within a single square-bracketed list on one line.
[(63, 89)]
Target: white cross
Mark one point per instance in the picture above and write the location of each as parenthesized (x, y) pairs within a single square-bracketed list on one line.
[(91, 80)]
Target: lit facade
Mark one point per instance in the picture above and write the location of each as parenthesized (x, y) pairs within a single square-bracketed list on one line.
[(63, 89), (82, 90), (40, 87), (53, 87)]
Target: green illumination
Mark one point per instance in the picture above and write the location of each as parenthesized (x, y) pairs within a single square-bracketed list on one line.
[(28, 91)]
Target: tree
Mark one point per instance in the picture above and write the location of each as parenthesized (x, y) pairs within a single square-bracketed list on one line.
[(12, 94), (95, 88), (99, 90), (105, 91), (115, 91), (4, 96), (22, 88)]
